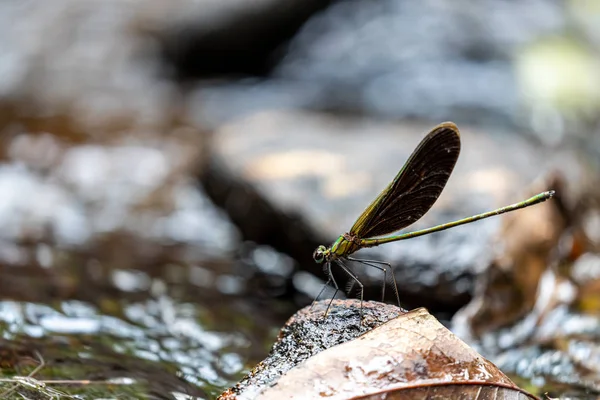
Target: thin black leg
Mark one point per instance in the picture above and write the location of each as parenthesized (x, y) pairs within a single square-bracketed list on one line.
[(353, 276), (370, 264)]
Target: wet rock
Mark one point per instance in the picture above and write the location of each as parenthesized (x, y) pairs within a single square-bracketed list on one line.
[(407, 357), (557, 352), (309, 332), (297, 180)]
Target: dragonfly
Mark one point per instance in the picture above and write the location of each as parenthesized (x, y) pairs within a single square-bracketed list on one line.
[(404, 201)]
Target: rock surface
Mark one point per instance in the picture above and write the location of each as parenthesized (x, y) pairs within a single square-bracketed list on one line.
[(309, 332), (411, 356)]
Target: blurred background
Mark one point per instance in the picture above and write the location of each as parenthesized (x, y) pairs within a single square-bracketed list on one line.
[(167, 169)]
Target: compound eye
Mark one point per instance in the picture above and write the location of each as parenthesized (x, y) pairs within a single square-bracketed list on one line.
[(319, 255)]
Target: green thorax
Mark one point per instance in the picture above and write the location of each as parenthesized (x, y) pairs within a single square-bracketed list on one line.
[(344, 246)]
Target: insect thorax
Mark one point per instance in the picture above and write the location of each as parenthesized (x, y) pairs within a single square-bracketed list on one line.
[(344, 246)]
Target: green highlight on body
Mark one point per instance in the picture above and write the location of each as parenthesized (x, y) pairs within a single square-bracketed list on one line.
[(405, 200)]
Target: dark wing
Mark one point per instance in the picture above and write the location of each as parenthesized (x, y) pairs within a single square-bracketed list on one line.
[(416, 187)]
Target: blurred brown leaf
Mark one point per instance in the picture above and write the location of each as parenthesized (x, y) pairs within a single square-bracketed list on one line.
[(411, 356)]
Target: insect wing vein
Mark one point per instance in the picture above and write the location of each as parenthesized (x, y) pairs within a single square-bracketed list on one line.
[(415, 188)]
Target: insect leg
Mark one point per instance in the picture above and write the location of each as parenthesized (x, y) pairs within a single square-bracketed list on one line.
[(368, 263), (335, 285), (320, 293), (353, 276), (387, 264)]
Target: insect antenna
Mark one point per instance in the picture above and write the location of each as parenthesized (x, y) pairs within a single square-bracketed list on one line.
[(371, 263)]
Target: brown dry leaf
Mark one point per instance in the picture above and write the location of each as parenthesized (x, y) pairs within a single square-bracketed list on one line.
[(411, 357)]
